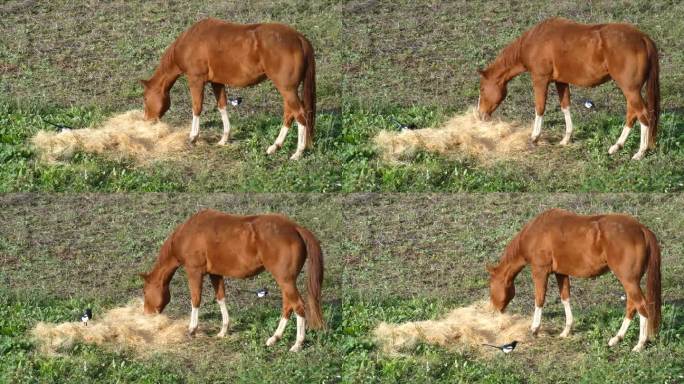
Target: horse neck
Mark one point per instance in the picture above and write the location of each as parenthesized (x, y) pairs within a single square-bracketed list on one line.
[(508, 64), (165, 266), (167, 72), (513, 262)]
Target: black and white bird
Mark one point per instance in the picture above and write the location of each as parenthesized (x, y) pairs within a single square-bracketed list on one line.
[(235, 101), (506, 348), (60, 127), (87, 316), (588, 104), (262, 292), (402, 126)]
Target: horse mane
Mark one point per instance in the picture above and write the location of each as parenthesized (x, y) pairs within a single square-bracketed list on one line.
[(166, 265), (507, 58)]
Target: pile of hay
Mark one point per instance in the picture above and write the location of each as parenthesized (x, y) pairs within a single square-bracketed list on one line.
[(125, 326), (125, 135), (463, 133), (468, 326)]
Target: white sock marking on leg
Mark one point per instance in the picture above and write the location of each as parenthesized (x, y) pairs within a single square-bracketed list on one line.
[(621, 140), (279, 140), (278, 332), (224, 317), (536, 319), (194, 320), (568, 126), (568, 318), (621, 332), (194, 130), (301, 330), (226, 126), (536, 130), (643, 333), (301, 141), (643, 143)]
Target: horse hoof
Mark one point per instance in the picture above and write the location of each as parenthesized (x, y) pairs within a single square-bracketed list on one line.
[(271, 341), (221, 334), (638, 156), (564, 334), (222, 143), (534, 139), (296, 348), (638, 348), (192, 140), (565, 142), (271, 150), (296, 156), (534, 331), (614, 148), (613, 341)]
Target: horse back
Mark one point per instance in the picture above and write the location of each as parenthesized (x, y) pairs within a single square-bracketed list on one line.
[(238, 246), (582, 54), (583, 246), (237, 55)]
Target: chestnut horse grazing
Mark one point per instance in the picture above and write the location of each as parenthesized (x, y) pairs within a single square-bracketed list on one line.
[(214, 51), (218, 244), (566, 244), (564, 52)]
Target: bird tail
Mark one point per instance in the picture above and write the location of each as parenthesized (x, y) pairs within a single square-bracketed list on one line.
[(493, 346)]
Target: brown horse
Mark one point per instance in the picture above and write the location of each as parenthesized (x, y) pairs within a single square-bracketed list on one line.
[(566, 244), (214, 51), (218, 244), (566, 52)]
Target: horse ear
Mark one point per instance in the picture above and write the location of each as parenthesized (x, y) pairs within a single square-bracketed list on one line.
[(144, 82), (143, 275), (481, 71)]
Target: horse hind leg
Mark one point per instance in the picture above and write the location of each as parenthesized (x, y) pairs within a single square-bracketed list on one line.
[(635, 303), (564, 97), (295, 110), (287, 122), (635, 109), (630, 309), (221, 103), (564, 289), (219, 290), (292, 302)]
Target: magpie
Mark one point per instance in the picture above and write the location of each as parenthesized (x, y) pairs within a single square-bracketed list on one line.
[(262, 292), (235, 101), (61, 127), (87, 316), (588, 104), (506, 348), (403, 127)]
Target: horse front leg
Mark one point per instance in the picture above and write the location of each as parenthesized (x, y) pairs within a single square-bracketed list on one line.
[(541, 86), (564, 290), (540, 281), (564, 97), (195, 284), (220, 294), (197, 93)]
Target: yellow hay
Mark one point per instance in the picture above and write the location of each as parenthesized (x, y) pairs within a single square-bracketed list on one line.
[(126, 326), (468, 326), (463, 133), (123, 135)]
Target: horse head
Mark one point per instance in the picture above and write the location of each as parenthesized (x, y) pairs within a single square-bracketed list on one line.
[(492, 93), (155, 101), (156, 295), (501, 289)]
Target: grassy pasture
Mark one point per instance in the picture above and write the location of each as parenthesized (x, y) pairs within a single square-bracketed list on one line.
[(376, 61), (389, 257)]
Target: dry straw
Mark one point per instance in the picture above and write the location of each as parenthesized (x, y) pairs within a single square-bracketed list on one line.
[(125, 135), (123, 326), (468, 326), (464, 133)]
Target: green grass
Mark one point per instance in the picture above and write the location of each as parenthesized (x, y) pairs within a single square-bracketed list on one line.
[(388, 257), (376, 60)]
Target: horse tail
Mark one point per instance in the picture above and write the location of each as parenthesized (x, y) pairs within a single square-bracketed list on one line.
[(654, 302), (653, 91), (314, 315), (309, 91)]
